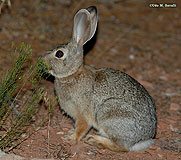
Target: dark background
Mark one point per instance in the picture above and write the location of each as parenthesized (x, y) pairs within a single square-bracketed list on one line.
[(142, 41)]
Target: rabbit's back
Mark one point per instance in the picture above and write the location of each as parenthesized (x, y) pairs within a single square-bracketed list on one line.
[(110, 83), (123, 107)]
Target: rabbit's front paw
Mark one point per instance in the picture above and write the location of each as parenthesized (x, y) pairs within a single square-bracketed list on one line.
[(71, 137), (81, 127)]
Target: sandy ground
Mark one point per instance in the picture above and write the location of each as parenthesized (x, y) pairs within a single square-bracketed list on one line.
[(143, 41)]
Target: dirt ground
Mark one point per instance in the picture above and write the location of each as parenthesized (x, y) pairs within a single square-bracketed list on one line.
[(143, 41)]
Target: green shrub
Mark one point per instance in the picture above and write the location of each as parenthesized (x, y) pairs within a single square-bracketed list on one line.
[(17, 115)]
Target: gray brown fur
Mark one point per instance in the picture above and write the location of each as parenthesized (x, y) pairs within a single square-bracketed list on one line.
[(109, 100)]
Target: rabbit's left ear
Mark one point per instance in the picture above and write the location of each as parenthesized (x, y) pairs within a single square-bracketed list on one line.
[(85, 24)]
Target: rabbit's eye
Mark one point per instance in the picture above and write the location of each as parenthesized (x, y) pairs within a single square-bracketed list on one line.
[(59, 54)]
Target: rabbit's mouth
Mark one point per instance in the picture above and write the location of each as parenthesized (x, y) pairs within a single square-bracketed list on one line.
[(51, 72), (49, 69)]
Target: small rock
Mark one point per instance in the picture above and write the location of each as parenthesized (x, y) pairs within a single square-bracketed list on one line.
[(164, 77), (60, 132), (131, 56), (114, 50), (159, 155), (4, 156), (132, 49)]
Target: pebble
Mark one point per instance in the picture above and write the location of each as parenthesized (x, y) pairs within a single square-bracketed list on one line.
[(60, 132), (4, 156), (159, 155), (114, 50), (164, 78), (131, 56)]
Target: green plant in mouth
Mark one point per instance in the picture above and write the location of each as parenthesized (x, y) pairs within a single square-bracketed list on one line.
[(17, 114)]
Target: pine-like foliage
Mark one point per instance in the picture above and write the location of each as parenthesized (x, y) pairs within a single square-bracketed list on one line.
[(16, 113)]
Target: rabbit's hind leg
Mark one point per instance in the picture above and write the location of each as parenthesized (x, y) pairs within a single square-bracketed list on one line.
[(103, 143)]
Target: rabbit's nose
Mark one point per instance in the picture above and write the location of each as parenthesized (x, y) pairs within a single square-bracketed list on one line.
[(47, 63)]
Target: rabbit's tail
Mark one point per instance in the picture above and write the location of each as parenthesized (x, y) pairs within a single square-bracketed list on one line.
[(141, 145)]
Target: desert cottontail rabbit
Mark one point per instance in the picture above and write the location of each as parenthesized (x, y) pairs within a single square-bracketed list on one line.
[(110, 101)]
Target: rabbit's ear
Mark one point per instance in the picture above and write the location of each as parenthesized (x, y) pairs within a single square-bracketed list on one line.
[(94, 18), (85, 23)]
